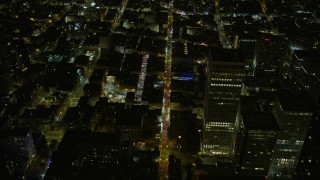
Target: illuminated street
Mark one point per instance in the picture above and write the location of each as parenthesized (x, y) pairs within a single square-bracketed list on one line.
[(220, 29), (164, 152)]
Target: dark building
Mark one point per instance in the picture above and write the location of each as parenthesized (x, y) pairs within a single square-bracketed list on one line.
[(293, 110), (144, 164), (305, 69), (18, 149), (271, 53), (174, 168), (258, 135), (87, 155), (129, 124), (309, 162)]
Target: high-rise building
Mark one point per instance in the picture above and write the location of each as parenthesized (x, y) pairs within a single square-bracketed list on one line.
[(257, 137), (174, 168), (144, 164), (18, 147), (305, 69), (270, 53), (293, 110), (226, 69), (19, 140)]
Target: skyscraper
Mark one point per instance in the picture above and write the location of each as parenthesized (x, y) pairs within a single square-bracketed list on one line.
[(305, 68), (293, 111), (18, 147), (270, 53), (258, 135), (226, 69)]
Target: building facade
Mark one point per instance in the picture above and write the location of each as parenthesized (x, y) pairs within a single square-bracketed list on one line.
[(18, 146), (271, 52), (226, 69), (293, 111), (257, 138)]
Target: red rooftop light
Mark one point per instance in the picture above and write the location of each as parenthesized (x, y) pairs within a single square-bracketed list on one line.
[(267, 39)]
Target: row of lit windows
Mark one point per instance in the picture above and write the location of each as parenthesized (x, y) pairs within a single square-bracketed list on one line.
[(262, 133), (129, 130), (211, 146), (219, 152), (300, 113), (224, 93), (298, 142), (248, 40), (226, 79), (215, 147), (100, 156), (219, 130), (226, 98), (227, 74), (256, 169), (289, 150), (282, 141), (249, 152), (219, 123), (226, 85), (284, 160), (102, 162)]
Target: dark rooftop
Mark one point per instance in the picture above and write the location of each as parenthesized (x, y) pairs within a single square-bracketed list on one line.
[(16, 132), (295, 99), (259, 121), (72, 146), (260, 82), (254, 117), (249, 103), (226, 55), (130, 118), (308, 55)]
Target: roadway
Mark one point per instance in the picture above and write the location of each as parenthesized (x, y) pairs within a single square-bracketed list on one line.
[(220, 28), (264, 9), (118, 17), (164, 146)]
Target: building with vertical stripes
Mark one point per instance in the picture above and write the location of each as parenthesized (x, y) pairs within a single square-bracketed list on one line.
[(226, 69)]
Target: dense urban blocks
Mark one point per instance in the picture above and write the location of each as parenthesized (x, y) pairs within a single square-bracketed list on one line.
[(159, 89)]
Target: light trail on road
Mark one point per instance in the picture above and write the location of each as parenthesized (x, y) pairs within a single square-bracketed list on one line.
[(220, 28), (164, 146)]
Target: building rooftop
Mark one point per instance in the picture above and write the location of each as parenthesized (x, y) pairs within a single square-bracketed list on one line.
[(295, 99), (308, 59), (260, 82), (130, 117), (254, 115), (67, 161), (16, 132), (308, 55), (249, 103), (259, 121), (226, 55)]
